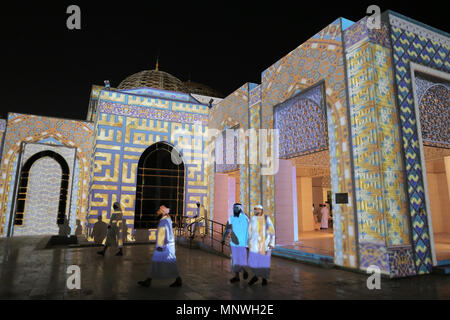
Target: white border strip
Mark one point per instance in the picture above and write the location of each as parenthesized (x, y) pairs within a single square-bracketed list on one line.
[(419, 30)]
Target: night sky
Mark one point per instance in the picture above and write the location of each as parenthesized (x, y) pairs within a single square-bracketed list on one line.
[(48, 69)]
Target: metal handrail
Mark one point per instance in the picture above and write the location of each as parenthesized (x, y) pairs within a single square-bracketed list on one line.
[(210, 228)]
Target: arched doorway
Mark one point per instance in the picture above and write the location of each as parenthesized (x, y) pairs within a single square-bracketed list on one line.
[(160, 181), (44, 173)]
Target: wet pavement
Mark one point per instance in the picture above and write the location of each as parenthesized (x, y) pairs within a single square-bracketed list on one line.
[(27, 271)]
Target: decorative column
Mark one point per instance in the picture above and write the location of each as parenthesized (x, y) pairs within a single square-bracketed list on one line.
[(384, 229)]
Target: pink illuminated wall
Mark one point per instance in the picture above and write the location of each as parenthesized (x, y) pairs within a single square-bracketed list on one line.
[(221, 199), (286, 203)]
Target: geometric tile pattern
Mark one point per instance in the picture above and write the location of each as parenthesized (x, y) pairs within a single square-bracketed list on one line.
[(124, 130), (43, 190), (415, 43), (75, 186), (41, 205), (378, 169), (302, 125), (255, 96), (379, 173), (231, 111), (318, 59), (374, 254), (401, 262), (356, 33), (153, 114), (434, 107), (31, 128)]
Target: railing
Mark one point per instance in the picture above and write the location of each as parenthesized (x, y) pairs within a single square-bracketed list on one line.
[(211, 235)]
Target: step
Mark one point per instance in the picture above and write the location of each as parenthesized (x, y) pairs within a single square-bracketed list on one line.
[(56, 241), (443, 262), (441, 269), (308, 257)]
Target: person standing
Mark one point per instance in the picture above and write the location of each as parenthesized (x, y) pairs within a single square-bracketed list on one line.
[(237, 225), (99, 231), (164, 261), (113, 235), (79, 228), (194, 224), (324, 212), (317, 219), (64, 229), (261, 241), (124, 231)]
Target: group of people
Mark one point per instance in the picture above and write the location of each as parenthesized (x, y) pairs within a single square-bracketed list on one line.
[(251, 243), (321, 216), (65, 229)]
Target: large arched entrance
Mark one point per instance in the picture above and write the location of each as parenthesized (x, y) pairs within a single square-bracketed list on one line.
[(42, 194), (160, 181)]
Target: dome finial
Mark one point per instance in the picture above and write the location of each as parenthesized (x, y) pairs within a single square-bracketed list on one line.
[(157, 61)]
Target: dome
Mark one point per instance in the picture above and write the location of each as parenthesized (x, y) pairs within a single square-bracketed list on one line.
[(153, 79), (198, 88)]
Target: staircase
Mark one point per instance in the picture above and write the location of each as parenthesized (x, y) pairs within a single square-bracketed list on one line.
[(208, 237)]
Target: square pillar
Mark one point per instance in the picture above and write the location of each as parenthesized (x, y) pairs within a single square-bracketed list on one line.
[(286, 230), (221, 200), (305, 202)]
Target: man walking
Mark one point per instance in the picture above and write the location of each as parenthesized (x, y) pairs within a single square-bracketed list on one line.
[(237, 225), (164, 261), (113, 235), (261, 240)]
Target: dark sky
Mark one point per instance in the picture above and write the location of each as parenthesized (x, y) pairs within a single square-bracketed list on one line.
[(48, 69)]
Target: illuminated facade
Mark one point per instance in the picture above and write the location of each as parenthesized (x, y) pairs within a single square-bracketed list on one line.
[(360, 112)]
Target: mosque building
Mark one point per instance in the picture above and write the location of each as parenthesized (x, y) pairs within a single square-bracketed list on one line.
[(357, 117)]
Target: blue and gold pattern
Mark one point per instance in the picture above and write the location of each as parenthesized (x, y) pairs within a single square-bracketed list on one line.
[(411, 44)]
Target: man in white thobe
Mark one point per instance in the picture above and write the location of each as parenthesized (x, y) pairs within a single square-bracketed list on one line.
[(164, 261), (261, 241), (324, 212)]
